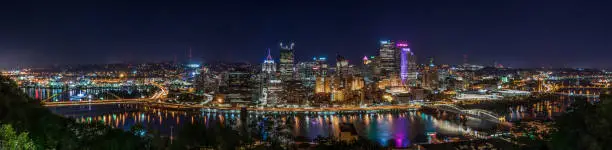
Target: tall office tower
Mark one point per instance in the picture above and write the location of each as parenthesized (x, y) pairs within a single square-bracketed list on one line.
[(404, 64), (430, 78), (307, 73), (411, 79), (367, 70), (320, 67), (267, 77), (286, 61), (268, 65), (342, 66), (444, 77), (403, 56), (399, 45), (238, 87), (323, 85), (271, 90), (386, 58)]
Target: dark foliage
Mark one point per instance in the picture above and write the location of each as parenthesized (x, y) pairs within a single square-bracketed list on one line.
[(50, 131)]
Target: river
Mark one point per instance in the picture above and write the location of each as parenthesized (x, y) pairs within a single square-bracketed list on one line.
[(401, 128), (394, 128)]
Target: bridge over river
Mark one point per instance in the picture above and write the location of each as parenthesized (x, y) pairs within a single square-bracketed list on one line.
[(474, 113)]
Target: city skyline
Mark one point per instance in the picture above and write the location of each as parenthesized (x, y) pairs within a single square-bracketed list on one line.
[(516, 34), (315, 74)]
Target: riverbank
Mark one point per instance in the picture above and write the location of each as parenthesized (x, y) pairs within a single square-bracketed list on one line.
[(175, 106)]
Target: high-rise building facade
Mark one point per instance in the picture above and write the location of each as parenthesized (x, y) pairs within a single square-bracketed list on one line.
[(323, 85), (268, 65), (430, 78), (238, 87), (404, 54), (307, 74), (367, 70), (411, 79), (342, 66), (320, 67), (387, 58), (270, 86), (408, 67), (287, 59)]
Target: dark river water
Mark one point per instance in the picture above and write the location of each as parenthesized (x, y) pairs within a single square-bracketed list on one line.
[(402, 128), (398, 128)]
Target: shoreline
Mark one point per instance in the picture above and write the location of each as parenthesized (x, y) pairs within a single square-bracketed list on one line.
[(256, 109)]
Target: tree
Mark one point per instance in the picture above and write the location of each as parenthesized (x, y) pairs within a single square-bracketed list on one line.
[(586, 126), (9, 139), (50, 131)]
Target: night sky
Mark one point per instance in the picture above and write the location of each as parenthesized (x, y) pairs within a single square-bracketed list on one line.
[(522, 33)]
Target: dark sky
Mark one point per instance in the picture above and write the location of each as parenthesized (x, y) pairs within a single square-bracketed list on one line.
[(517, 33)]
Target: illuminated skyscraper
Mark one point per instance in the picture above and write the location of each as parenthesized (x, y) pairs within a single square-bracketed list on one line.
[(268, 65), (387, 58), (307, 73), (322, 85), (269, 85), (408, 67), (342, 66), (320, 67), (367, 70), (403, 58), (430, 78), (286, 61), (411, 79)]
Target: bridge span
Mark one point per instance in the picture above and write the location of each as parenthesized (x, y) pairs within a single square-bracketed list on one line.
[(93, 102), (475, 113), (157, 96)]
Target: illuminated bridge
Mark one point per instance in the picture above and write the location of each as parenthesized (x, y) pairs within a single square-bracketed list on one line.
[(157, 96), (474, 113)]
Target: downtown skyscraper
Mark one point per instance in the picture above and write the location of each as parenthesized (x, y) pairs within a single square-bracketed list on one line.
[(396, 60), (408, 67), (287, 61), (268, 65), (270, 86), (387, 59)]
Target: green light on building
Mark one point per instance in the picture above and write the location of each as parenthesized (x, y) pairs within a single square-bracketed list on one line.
[(504, 79)]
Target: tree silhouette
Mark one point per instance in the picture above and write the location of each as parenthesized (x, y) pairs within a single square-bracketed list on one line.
[(49, 131), (9, 139), (586, 126)]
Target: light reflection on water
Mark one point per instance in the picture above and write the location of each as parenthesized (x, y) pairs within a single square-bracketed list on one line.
[(545, 109), (59, 94), (400, 129)]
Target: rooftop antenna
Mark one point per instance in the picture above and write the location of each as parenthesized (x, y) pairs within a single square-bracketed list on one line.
[(465, 59), (269, 57), (189, 54), (174, 59)]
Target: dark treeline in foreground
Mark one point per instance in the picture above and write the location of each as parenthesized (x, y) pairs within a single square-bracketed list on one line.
[(584, 126), (24, 120)]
